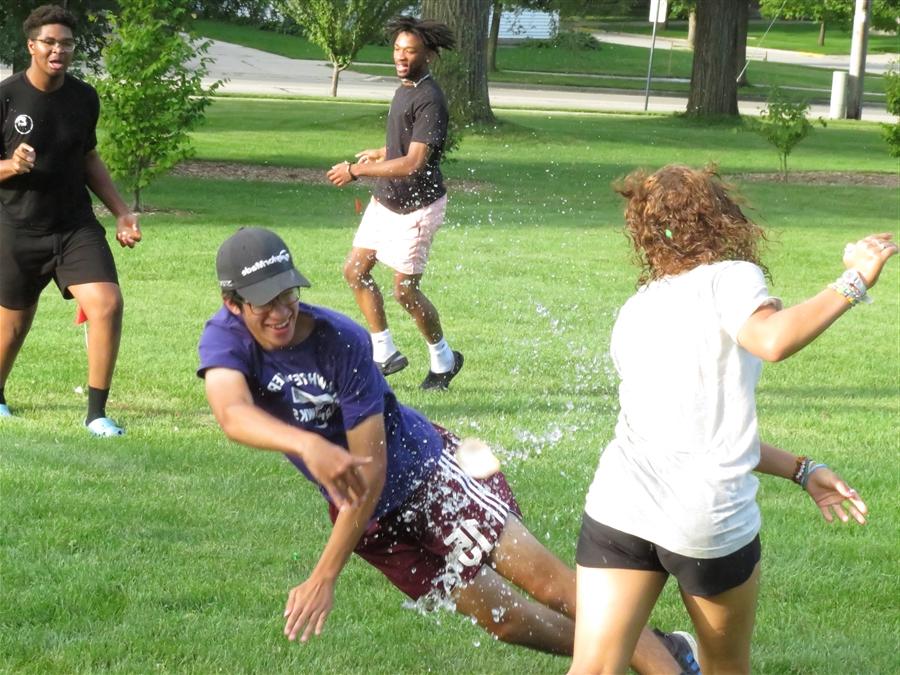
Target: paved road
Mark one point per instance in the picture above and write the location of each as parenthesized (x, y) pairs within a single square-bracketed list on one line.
[(250, 71)]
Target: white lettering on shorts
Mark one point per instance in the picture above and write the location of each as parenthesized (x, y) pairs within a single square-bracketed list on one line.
[(469, 545)]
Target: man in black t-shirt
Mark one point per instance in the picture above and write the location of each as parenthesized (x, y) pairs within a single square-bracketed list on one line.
[(408, 202), (48, 160)]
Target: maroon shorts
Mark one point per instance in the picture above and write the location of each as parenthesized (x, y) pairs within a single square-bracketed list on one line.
[(440, 537)]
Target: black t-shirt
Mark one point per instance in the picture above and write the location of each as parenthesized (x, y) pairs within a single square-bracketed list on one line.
[(418, 114), (61, 127)]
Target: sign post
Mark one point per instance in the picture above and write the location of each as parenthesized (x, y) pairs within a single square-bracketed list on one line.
[(658, 11)]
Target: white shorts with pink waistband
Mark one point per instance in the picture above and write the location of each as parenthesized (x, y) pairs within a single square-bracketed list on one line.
[(401, 241)]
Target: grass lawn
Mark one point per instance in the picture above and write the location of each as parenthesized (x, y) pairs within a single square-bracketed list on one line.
[(801, 36), (610, 66), (172, 549)]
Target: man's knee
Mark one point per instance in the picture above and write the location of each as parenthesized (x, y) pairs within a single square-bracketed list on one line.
[(107, 306)]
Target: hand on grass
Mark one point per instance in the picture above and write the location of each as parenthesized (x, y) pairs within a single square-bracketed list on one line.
[(868, 256), (336, 470), (307, 608), (128, 232), (832, 495)]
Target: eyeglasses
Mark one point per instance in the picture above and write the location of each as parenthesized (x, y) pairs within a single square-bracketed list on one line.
[(286, 299), (62, 45)]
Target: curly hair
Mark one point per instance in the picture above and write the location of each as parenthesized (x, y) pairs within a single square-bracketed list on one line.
[(46, 15), (679, 218), (433, 34)]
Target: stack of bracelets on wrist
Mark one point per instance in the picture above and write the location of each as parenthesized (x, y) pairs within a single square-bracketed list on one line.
[(852, 287), (805, 468)]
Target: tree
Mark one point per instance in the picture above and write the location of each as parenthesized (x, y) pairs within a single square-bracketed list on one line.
[(463, 72), (151, 97), (824, 12), (341, 27), (713, 90), (784, 124), (89, 36), (882, 14)]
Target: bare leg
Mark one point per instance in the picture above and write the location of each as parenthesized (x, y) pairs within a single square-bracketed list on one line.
[(613, 606), (724, 625), (14, 327), (357, 272), (102, 304), (509, 616), (419, 307), (545, 624)]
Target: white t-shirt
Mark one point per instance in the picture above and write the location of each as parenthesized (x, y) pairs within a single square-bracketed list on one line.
[(679, 471)]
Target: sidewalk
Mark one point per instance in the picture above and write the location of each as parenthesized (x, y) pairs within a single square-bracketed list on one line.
[(875, 63), (250, 71)]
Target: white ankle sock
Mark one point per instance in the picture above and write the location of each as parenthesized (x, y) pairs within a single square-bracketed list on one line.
[(442, 359), (382, 345)]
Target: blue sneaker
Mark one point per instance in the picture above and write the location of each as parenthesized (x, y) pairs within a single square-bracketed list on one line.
[(103, 427), (5, 411), (683, 648)]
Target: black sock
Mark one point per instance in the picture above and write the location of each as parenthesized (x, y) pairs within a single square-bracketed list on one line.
[(2, 397), (96, 404)]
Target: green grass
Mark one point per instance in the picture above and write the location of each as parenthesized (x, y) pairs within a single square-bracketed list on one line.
[(608, 67), (172, 549), (791, 35)]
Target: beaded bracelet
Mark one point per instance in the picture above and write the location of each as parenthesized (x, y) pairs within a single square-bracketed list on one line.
[(852, 287), (799, 469)]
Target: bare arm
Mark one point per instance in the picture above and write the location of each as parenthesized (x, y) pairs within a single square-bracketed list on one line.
[(773, 334), (128, 232), (309, 604), (826, 488), (414, 160), (243, 421)]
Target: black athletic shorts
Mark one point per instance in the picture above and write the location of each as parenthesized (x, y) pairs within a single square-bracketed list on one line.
[(28, 261), (602, 546)]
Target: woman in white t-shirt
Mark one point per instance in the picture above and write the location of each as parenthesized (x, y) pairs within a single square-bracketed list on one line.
[(674, 491)]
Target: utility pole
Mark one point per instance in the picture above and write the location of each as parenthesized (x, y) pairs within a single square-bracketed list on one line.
[(858, 50)]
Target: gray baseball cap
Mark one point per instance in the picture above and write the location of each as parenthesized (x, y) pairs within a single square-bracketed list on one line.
[(258, 265)]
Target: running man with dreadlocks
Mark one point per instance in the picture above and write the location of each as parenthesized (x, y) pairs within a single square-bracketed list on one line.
[(408, 202)]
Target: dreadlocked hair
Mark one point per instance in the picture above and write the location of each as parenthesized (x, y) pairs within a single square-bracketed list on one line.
[(433, 34), (679, 218)]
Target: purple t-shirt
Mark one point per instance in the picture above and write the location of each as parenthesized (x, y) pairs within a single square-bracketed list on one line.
[(327, 384)]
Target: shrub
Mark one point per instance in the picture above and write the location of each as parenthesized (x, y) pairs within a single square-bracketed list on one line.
[(892, 91)]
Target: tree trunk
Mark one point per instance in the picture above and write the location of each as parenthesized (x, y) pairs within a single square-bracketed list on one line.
[(496, 12), (713, 89), (462, 73), (692, 28), (821, 41), (741, 44), (335, 74)]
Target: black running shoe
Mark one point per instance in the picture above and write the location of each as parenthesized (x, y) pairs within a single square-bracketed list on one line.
[(441, 381), (683, 648), (393, 364)]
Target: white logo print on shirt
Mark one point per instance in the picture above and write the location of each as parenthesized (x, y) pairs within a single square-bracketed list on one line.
[(23, 124)]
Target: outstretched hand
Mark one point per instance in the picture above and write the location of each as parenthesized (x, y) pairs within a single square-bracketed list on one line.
[(307, 608), (868, 255), (832, 495), (336, 470)]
